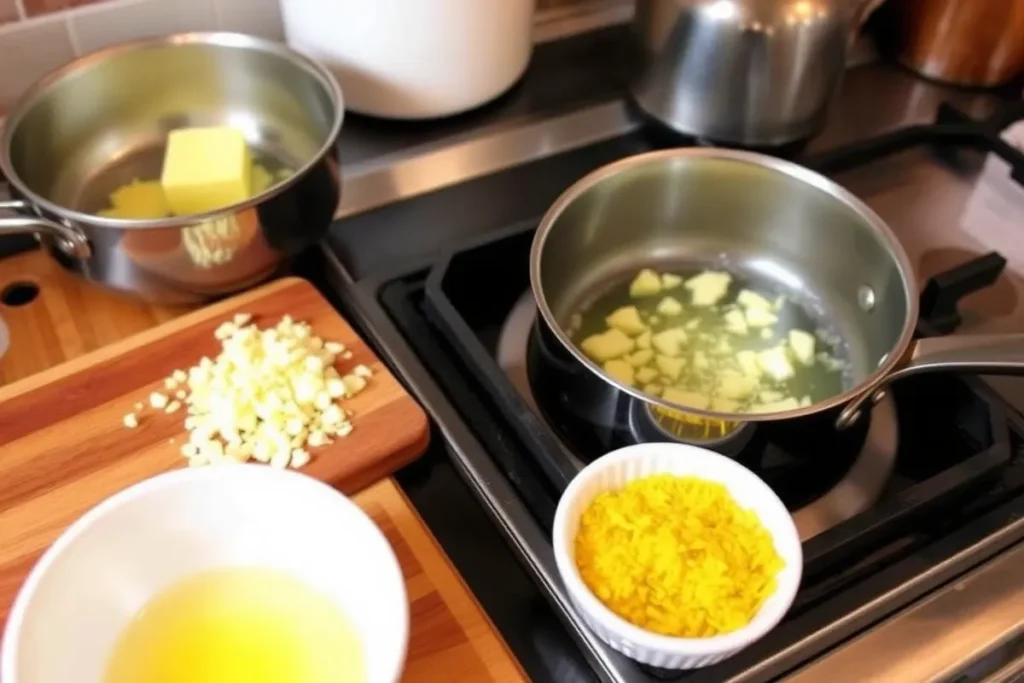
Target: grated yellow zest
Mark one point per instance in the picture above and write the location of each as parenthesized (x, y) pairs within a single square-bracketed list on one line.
[(677, 556)]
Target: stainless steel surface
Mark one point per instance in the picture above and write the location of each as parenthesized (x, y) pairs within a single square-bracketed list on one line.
[(751, 213), (388, 179), (747, 213), (961, 566), (1011, 672), (67, 239), (856, 492), (63, 158), (383, 179), (746, 72), (981, 354), (938, 638)]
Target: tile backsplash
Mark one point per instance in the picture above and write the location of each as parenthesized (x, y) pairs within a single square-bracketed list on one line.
[(40, 35)]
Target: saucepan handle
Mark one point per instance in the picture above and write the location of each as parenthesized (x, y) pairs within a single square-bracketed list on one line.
[(21, 221), (997, 354)]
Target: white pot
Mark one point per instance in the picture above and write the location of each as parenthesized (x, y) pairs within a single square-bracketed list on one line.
[(412, 59)]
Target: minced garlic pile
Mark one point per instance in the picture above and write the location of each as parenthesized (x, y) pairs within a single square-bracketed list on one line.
[(677, 556), (268, 395)]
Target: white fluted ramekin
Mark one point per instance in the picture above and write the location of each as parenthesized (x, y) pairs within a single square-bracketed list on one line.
[(618, 468)]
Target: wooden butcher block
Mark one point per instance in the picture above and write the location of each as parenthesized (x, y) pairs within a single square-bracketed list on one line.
[(64, 447)]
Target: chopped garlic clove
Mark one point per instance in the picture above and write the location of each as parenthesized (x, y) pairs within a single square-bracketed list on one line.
[(760, 317), (802, 343), (627, 319), (775, 363), (646, 283), (670, 280), (620, 370), (299, 458), (669, 307), (353, 384), (708, 288)]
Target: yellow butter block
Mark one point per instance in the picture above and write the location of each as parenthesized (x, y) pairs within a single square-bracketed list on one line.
[(205, 169)]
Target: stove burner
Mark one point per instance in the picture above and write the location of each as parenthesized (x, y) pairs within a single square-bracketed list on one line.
[(856, 491), (654, 423)]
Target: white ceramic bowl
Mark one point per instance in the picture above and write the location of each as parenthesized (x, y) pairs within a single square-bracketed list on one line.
[(90, 583), (616, 469)]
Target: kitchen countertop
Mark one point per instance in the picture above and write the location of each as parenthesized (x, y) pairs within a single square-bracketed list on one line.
[(580, 73)]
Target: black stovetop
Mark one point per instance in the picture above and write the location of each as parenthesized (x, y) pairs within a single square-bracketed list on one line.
[(957, 473)]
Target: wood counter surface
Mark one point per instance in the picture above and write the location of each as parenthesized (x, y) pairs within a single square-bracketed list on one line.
[(451, 640)]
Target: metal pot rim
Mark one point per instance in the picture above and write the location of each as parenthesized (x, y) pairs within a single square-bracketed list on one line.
[(894, 358), (218, 38)]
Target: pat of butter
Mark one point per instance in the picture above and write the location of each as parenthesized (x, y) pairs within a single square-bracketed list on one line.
[(205, 169), (138, 200)]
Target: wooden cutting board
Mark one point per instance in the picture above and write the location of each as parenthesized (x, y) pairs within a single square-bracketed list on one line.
[(451, 638), (64, 448)]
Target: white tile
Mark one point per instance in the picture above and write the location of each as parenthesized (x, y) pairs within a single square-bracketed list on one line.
[(256, 17), (36, 47), (102, 25)]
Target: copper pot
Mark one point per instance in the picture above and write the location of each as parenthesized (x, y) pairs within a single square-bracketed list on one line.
[(964, 42)]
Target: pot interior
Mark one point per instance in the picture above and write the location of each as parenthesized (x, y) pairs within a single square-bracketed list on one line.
[(103, 121), (764, 221)]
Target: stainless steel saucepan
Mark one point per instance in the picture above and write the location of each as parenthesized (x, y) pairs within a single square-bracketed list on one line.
[(102, 121), (761, 216)]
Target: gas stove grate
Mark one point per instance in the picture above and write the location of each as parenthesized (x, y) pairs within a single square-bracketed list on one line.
[(960, 476)]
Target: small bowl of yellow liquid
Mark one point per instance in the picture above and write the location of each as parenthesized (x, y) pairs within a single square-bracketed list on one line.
[(234, 574)]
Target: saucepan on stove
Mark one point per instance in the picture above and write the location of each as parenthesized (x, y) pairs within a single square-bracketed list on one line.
[(731, 286)]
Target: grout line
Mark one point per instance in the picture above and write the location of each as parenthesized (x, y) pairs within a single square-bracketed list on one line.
[(72, 32), (94, 7)]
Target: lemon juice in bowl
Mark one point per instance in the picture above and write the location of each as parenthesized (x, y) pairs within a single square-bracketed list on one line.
[(244, 625), (229, 573)]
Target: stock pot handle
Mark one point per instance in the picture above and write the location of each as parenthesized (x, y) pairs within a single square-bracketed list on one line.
[(68, 239), (995, 354)]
